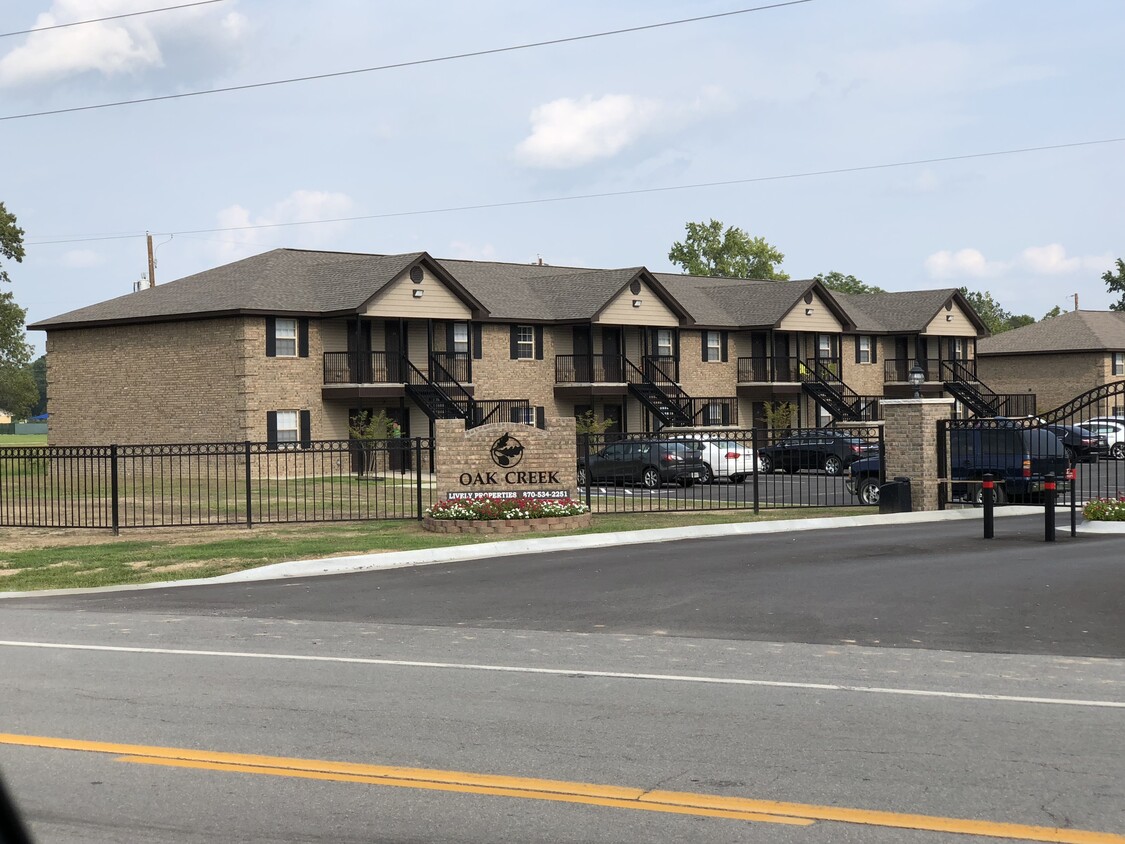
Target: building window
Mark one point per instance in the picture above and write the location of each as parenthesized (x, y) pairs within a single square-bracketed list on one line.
[(460, 339), (524, 415), (664, 342), (713, 345), (285, 338), (288, 430), (525, 342), (824, 346), (863, 352), (957, 348), (1119, 363), (714, 413)]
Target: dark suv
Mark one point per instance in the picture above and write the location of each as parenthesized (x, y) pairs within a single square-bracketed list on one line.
[(1017, 458), (820, 448), (647, 462)]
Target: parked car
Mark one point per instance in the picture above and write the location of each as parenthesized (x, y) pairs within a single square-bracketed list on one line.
[(1113, 429), (647, 462), (1017, 458), (820, 448), (1080, 443), (722, 457)]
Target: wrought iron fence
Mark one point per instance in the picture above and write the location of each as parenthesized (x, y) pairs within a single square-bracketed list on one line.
[(757, 470), (119, 486)]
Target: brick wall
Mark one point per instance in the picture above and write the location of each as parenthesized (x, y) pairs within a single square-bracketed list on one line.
[(166, 383), (910, 445), (497, 376), (469, 452), (1054, 378), (706, 378)]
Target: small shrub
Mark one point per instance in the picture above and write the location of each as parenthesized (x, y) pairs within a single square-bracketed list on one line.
[(479, 509), (1105, 509)]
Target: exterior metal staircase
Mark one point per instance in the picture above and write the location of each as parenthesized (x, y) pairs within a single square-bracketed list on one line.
[(657, 391), (842, 403), (442, 396), (960, 381)]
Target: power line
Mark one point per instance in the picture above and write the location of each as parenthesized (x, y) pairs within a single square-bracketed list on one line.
[(109, 18), (397, 65), (607, 194)]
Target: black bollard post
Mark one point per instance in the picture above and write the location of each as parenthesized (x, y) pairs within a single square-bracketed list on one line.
[(1072, 476), (1049, 508), (988, 502)]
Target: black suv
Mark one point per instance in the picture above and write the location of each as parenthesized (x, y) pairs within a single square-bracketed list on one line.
[(1017, 458), (819, 448), (647, 462)]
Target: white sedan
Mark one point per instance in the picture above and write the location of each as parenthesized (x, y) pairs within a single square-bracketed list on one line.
[(723, 458)]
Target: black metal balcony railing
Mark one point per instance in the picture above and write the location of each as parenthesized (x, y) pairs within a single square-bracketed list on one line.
[(714, 410), (768, 369), (661, 369), (897, 370), (452, 364), (589, 369), (369, 368)]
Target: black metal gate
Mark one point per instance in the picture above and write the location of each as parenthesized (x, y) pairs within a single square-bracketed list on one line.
[(1081, 443)]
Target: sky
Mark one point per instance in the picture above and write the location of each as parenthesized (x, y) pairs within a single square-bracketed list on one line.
[(825, 119)]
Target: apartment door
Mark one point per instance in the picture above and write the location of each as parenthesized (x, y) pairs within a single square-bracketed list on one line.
[(783, 367), (395, 347), (359, 351), (583, 343), (611, 354)]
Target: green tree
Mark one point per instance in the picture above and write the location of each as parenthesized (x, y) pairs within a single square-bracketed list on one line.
[(1054, 312), (993, 314), (18, 393), (709, 250), (39, 375), (1115, 283), (846, 283)]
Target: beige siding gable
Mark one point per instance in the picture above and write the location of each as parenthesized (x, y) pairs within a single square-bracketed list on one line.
[(952, 323), (437, 301), (651, 311), (819, 318)]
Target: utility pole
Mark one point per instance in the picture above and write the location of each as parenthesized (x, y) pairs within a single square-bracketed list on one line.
[(1075, 301), (151, 262)]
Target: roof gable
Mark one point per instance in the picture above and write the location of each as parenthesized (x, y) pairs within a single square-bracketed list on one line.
[(1075, 331)]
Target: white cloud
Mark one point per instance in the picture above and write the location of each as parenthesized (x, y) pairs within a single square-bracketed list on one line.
[(113, 47), (80, 259), (570, 133), (964, 263), (300, 206), (1052, 260)]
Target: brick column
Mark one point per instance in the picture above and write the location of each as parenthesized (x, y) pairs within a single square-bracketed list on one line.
[(910, 443)]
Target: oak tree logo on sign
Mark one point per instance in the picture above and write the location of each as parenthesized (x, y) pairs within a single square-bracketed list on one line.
[(507, 452)]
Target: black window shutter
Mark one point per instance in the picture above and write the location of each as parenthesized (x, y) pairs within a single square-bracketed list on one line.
[(726, 414), (303, 337), (539, 342), (874, 349), (271, 429), (515, 350), (723, 346), (858, 343), (306, 429), (478, 341), (540, 417), (703, 345), (676, 343), (271, 337), (515, 414)]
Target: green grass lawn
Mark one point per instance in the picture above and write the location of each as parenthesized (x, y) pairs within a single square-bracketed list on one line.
[(22, 440), (43, 559)]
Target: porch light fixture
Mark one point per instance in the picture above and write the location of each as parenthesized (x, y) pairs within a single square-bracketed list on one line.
[(808, 311), (418, 291), (916, 376), (949, 317), (636, 303)]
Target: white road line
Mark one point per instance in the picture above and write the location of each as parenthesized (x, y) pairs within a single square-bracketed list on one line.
[(576, 672)]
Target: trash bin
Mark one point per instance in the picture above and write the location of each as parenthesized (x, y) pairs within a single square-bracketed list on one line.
[(894, 496)]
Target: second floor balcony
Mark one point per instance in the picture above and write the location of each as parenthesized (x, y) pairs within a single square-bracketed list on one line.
[(897, 370), (769, 369)]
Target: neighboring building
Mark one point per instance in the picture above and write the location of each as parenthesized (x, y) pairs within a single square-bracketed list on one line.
[(1058, 358), (289, 345)]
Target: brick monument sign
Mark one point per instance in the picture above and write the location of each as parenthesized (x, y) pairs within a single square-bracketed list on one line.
[(506, 459)]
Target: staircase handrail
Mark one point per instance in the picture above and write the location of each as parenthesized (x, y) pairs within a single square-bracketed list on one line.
[(463, 395)]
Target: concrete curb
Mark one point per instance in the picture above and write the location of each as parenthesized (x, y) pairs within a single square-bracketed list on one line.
[(461, 553), (1102, 527)]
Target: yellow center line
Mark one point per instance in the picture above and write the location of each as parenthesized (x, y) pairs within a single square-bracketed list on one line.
[(687, 803)]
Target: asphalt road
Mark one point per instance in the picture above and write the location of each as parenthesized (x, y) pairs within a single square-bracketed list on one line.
[(862, 678)]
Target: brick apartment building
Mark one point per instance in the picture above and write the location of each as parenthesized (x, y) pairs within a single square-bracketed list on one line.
[(290, 345)]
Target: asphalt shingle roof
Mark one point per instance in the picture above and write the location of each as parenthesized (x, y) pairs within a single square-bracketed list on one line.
[(907, 313), (1074, 331), (283, 280)]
